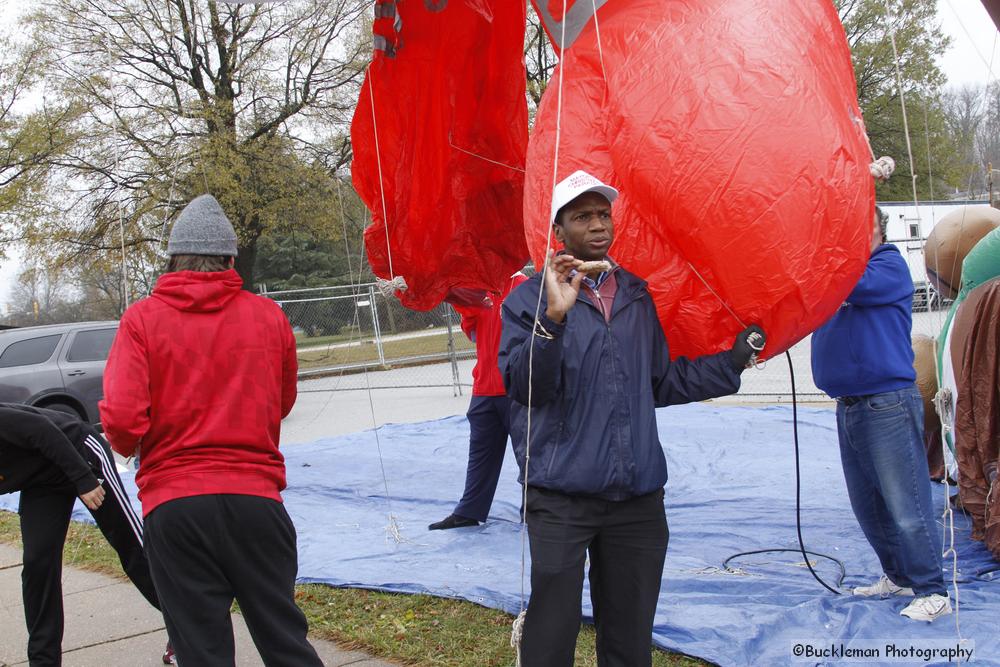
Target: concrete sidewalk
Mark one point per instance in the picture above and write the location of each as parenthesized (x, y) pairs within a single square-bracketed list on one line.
[(108, 624)]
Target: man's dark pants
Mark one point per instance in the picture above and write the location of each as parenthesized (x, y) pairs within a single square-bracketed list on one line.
[(205, 551), (627, 542), (489, 426), (45, 508)]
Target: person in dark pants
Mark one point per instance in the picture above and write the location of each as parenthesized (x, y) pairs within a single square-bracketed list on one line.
[(53, 458), (489, 411), (597, 365), (863, 357), (198, 379)]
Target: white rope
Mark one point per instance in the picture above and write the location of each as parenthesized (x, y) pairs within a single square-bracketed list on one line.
[(347, 245), (947, 516), (115, 170), (483, 157), (389, 287), (882, 168), (392, 529), (972, 42), (166, 210), (517, 630), (600, 47), (381, 181)]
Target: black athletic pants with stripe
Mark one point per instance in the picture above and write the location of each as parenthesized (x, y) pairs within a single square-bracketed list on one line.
[(205, 551), (45, 510)]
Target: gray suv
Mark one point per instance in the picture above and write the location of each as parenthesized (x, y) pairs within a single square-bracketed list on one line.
[(60, 366)]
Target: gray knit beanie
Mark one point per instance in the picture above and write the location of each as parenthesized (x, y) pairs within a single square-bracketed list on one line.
[(202, 228)]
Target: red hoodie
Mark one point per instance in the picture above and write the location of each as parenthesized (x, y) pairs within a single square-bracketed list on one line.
[(199, 378), (483, 327)]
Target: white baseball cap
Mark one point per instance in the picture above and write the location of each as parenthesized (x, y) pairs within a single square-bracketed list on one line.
[(575, 185)]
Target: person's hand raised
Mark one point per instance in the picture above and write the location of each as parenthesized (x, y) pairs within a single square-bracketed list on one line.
[(561, 290)]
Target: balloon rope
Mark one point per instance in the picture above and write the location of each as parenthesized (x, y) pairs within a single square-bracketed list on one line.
[(381, 183), (600, 48), (483, 157), (118, 158), (906, 122), (972, 43), (387, 288), (717, 296), (518, 627), (947, 516)]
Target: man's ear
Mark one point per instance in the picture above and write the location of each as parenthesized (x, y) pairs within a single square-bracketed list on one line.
[(232, 261), (558, 232)]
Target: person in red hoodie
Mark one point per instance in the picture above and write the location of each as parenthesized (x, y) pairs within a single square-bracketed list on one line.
[(199, 377), (489, 409)]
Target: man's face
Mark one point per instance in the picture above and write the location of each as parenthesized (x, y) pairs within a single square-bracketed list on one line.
[(585, 227)]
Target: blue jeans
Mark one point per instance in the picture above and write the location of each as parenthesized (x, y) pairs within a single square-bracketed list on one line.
[(489, 426), (882, 450)]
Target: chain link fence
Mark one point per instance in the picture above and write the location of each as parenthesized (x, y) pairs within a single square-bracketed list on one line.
[(773, 382), (355, 338)]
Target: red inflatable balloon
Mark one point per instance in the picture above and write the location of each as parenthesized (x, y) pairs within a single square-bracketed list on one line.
[(439, 138), (732, 130)]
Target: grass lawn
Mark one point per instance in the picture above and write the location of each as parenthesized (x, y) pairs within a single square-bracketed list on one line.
[(302, 340), (410, 629), (392, 349)]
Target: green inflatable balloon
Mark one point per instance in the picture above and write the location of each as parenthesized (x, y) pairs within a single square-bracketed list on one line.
[(979, 266)]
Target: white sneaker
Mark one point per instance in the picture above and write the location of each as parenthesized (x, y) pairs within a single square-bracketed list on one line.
[(884, 588), (927, 607)]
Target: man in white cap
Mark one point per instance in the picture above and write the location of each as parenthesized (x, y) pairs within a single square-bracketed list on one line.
[(596, 470), (199, 377)]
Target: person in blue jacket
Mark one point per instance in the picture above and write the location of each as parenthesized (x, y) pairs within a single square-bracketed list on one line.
[(863, 357), (595, 476)]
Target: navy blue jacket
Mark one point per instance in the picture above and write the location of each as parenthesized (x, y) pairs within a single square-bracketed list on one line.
[(595, 387), (865, 347)]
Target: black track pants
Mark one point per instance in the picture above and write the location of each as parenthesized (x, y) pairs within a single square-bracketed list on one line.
[(207, 550), (45, 510)]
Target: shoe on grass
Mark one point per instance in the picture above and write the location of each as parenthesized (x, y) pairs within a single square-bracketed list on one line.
[(883, 588), (927, 607), (453, 521)]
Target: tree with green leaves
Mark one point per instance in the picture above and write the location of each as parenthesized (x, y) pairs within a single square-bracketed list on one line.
[(29, 137), (870, 26)]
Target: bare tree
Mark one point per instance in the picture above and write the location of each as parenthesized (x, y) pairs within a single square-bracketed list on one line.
[(187, 96), (988, 136), (963, 110), (539, 59)]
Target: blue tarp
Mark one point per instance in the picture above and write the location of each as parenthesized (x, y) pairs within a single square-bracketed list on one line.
[(731, 489)]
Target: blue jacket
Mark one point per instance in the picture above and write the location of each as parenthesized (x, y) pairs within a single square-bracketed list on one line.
[(865, 347), (595, 387)]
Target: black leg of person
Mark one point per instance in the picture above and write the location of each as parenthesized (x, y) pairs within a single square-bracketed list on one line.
[(44, 513), (206, 551), (489, 425), (118, 521)]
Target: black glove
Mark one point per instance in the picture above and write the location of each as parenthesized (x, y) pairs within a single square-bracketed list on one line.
[(748, 342)]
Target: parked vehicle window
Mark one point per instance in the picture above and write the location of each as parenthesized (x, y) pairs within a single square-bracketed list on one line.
[(91, 345), (30, 351)]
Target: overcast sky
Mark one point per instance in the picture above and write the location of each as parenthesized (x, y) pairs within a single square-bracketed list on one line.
[(972, 59)]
